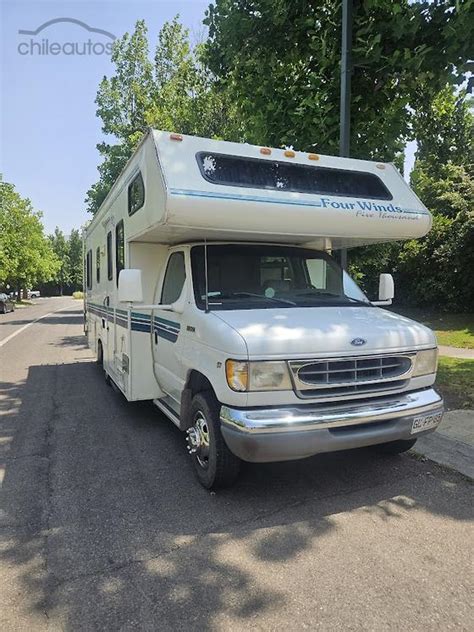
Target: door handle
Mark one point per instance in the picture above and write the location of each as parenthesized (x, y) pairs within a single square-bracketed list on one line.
[(156, 338)]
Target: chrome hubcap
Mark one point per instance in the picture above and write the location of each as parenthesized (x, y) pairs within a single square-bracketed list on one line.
[(198, 439)]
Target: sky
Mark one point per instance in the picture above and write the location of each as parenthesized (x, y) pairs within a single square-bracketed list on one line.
[(49, 130), (48, 127)]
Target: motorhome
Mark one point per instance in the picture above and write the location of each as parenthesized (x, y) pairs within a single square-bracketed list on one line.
[(213, 290)]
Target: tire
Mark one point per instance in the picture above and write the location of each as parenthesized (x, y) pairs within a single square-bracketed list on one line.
[(215, 465), (395, 447), (4, 310)]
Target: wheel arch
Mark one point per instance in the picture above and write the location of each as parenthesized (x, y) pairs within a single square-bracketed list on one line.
[(196, 382)]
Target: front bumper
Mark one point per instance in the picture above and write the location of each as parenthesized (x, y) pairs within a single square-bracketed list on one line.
[(284, 434)]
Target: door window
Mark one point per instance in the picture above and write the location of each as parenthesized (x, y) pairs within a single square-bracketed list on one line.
[(174, 279)]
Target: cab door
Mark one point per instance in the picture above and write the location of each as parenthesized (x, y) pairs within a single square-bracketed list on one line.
[(166, 329)]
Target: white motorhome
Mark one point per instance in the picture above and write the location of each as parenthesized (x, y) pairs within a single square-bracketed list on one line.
[(211, 290)]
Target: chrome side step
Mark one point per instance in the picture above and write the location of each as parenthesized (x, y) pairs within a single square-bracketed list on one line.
[(168, 411)]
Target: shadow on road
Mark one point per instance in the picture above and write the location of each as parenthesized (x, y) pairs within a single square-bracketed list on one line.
[(103, 492)]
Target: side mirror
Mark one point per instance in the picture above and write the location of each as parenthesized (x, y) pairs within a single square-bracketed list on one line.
[(130, 286), (386, 290)]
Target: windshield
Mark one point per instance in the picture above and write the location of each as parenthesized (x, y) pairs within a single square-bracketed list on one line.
[(245, 276)]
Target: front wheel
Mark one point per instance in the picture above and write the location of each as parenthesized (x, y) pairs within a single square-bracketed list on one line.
[(395, 447), (216, 466)]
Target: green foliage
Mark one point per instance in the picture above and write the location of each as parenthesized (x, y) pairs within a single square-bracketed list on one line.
[(280, 61), (435, 270), (75, 271), (69, 254), (60, 248), (173, 92), (455, 380), (26, 255)]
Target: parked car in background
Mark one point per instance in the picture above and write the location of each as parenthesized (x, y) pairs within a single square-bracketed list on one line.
[(34, 294), (6, 304)]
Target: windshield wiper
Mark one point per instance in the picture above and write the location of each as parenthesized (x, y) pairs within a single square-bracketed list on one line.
[(267, 298), (343, 297)]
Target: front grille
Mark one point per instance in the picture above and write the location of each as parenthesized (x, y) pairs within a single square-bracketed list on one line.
[(362, 374)]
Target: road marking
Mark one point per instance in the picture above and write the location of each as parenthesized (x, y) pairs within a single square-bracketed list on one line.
[(18, 331)]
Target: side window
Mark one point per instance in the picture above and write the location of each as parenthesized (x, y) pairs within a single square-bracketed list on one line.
[(174, 279), (136, 194), (119, 248), (97, 264), (110, 268), (89, 269)]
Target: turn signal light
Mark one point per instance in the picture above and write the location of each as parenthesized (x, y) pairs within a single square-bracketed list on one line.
[(176, 137), (289, 153), (265, 150), (313, 156)]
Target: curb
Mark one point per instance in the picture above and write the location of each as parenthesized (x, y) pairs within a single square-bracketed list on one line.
[(452, 453)]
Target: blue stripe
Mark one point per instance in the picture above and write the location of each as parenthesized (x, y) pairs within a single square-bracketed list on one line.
[(275, 200), (170, 323), (140, 315), (249, 198), (167, 335), (164, 328), (141, 327)]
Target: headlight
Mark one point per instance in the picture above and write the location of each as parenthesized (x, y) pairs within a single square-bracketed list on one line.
[(426, 362), (257, 376)]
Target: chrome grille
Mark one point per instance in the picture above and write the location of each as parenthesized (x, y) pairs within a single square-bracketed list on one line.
[(327, 377)]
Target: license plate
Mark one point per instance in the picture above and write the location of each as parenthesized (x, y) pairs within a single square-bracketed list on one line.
[(425, 422)]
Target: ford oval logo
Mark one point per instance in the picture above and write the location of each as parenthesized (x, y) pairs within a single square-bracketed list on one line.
[(358, 342)]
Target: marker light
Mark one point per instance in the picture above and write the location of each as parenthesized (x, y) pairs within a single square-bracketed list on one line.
[(380, 166), (313, 156), (265, 150), (289, 153), (237, 374), (176, 137)]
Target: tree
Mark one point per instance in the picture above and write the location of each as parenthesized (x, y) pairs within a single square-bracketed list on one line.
[(26, 255), (174, 92), (75, 270), (280, 61), (436, 270), (60, 247)]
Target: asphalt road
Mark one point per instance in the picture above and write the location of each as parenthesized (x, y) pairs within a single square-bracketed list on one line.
[(104, 527)]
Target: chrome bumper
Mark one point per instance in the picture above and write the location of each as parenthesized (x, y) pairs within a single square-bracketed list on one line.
[(274, 434)]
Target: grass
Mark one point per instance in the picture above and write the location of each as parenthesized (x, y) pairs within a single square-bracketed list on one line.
[(453, 330), (455, 381), (22, 304)]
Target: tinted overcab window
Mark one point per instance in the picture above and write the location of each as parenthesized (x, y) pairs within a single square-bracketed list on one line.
[(283, 176)]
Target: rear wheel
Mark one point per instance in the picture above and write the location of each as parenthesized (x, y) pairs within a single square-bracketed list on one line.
[(395, 447), (216, 466)]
